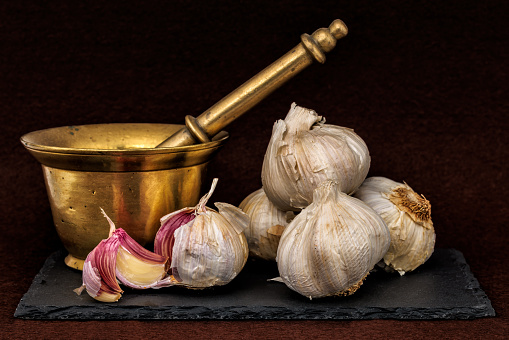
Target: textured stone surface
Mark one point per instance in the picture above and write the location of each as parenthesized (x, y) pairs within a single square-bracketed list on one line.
[(443, 288)]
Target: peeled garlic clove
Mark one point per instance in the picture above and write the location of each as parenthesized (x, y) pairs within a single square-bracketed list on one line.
[(304, 151), (266, 225), (331, 245), (206, 248), (137, 267), (408, 216), (120, 257), (140, 269)]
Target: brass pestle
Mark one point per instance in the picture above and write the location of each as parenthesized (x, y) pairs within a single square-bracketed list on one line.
[(212, 121)]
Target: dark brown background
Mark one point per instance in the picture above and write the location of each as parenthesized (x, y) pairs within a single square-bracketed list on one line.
[(425, 85)]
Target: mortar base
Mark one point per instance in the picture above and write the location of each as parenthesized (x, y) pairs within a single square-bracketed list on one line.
[(74, 262)]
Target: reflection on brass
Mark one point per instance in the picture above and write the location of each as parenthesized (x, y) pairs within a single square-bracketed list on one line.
[(209, 123), (118, 168)]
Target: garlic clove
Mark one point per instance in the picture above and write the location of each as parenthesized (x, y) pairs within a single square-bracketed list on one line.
[(206, 248), (265, 226), (121, 257), (137, 267), (408, 216), (99, 280), (330, 246), (140, 271), (99, 271), (303, 152)]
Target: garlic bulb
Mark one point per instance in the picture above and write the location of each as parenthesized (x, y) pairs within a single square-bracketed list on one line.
[(331, 245), (266, 225), (120, 257), (408, 216), (205, 247), (304, 151)]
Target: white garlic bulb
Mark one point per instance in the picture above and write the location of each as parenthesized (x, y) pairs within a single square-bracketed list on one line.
[(331, 246), (304, 151), (408, 216), (266, 225), (205, 247)]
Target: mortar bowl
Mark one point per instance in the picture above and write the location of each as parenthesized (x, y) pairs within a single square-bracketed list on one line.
[(116, 167)]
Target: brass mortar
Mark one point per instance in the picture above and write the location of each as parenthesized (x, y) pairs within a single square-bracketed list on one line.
[(118, 168)]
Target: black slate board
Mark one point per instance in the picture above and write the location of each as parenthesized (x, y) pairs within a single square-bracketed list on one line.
[(442, 288)]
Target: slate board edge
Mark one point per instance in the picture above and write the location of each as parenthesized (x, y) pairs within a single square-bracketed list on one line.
[(111, 312), (474, 285), (247, 313)]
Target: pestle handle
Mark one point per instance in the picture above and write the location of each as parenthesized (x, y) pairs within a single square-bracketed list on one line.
[(209, 123)]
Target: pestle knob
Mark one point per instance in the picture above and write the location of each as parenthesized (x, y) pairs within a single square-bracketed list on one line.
[(209, 123)]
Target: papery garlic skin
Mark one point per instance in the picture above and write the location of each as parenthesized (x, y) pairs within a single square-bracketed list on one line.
[(408, 216), (266, 225), (304, 151), (331, 245), (207, 248), (98, 273)]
